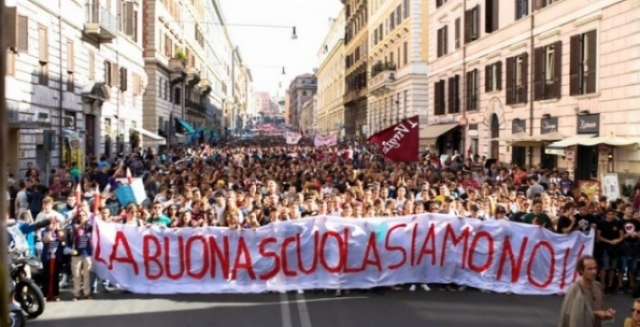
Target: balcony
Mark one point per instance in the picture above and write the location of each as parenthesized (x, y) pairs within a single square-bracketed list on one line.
[(193, 77), (382, 79), (101, 25), (177, 70), (354, 95), (205, 87), (195, 106)]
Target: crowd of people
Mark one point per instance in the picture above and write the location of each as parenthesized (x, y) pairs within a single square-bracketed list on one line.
[(249, 184)]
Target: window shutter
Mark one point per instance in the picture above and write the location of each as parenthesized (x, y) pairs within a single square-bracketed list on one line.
[(510, 76), (439, 46), (525, 78), (135, 26), (574, 64), (557, 69), (436, 98), (70, 57), (128, 16), (457, 33), (107, 73), (476, 13), (468, 91), (12, 30), (487, 78), (467, 26), (457, 94), (495, 15), (499, 75), (119, 15), (23, 34), (451, 95), (43, 51), (114, 74), (592, 45), (123, 79), (445, 49), (538, 73)]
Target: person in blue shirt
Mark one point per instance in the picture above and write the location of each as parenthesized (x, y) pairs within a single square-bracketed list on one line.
[(22, 235)]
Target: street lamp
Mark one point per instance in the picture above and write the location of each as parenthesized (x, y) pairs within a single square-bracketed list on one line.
[(294, 35), (283, 71)]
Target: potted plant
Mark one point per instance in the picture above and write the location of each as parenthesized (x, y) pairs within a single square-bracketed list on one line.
[(180, 54)]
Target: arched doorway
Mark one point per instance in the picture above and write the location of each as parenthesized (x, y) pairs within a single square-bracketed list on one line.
[(495, 133)]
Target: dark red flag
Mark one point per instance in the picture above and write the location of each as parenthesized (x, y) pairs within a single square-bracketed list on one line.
[(399, 142)]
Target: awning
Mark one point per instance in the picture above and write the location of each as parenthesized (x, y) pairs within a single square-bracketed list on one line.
[(517, 137), (431, 133), (611, 140), (551, 137), (574, 140), (187, 126), (150, 137)]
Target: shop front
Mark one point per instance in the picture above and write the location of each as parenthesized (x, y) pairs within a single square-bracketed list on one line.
[(548, 127), (581, 155), (444, 137), (518, 153)]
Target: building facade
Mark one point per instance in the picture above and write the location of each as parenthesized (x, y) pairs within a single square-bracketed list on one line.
[(309, 116), (75, 81), (331, 79), (398, 55), (356, 42), (540, 70), (301, 89)]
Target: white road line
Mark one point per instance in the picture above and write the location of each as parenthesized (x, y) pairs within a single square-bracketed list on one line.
[(285, 310), (303, 311)]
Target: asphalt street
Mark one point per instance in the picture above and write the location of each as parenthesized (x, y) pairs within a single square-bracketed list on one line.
[(394, 308)]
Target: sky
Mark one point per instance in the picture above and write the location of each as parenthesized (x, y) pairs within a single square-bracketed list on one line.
[(266, 50)]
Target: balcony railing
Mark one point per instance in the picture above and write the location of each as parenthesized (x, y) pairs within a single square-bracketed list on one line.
[(382, 82), (101, 23), (196, 106)]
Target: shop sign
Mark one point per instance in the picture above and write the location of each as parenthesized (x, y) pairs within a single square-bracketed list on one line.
[(548, 125), (588, 124), (518, 126)]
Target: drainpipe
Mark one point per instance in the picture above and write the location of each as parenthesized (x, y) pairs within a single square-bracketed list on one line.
[(60, 90), (464, 81), (531, 87)]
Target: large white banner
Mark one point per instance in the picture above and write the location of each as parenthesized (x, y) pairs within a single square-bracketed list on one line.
[(330, 252), (329, 140)]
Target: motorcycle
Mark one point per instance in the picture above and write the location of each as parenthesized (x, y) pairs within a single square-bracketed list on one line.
[(16, 316), (27, 293)]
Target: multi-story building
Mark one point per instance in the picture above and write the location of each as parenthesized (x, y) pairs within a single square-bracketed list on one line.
[(331, 78), (538, 71), (301, 89), (188, 58), (398, 55), (263, 101), (308, 116), (74, 82), (356, 41)]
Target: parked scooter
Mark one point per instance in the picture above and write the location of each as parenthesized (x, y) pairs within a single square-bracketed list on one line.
[(16, 316), (27, 292)]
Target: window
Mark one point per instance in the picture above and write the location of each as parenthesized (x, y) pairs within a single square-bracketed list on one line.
[(392, 22), (493, 77), (398, 15), (129, 19), (439, 97), (70, 66), (547, 79), (472, 24), (407, 8), (442, 41), (160, 88), (543, 3), (522, 9), (454, 94), (92, 65), (491, 16), (517, 79), (457, 34), (168, 46), (582, 66), (473, 89), (124, 79), (177, 96), (161, 123), (11, 63), (43, 55), (440, 3)]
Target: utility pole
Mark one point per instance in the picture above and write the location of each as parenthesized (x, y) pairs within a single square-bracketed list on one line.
[(4, 204)]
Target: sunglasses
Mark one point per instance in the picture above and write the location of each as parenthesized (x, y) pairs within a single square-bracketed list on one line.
[(633, 310)]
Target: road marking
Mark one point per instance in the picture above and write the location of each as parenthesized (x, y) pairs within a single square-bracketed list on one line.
[(285, 310), (303, 311)]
